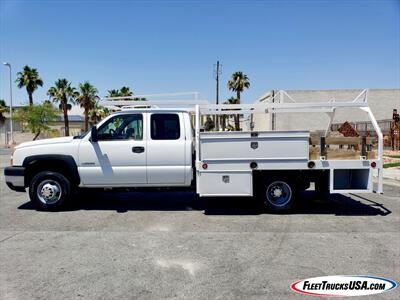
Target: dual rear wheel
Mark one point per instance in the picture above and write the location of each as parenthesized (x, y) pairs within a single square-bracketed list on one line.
[(277, 194)]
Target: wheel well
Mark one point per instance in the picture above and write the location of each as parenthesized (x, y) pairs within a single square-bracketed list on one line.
[(62, 166)]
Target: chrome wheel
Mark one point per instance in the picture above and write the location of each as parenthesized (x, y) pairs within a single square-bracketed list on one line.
[(49, 191), (279, 193)]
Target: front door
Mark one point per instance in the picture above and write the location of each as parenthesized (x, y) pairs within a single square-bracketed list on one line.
[(119, 157)]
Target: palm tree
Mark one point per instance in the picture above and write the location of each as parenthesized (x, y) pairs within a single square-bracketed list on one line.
[(113, 93), (238, 83), (3, 109), (29, 78), (87, 99), (63, 93), (97, 113), (125, 92), (122, 92)]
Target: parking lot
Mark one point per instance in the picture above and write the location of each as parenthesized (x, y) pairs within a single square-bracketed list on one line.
[(175, 245)]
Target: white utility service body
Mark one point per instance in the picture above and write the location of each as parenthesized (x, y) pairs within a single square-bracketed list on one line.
[(229, 156), (160, 147)]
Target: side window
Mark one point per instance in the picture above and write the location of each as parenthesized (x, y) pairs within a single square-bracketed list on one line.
[(165, 127), (122, 127)]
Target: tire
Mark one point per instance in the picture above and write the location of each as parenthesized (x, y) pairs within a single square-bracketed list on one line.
[(277, 194), (49, 190)]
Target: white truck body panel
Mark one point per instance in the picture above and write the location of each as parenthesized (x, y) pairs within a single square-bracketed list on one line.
[(228, 156), (62, 146), (224, 183), (112, 163), (269, 146)]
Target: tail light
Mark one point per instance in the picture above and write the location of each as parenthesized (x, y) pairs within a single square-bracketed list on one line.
[(373, 164)]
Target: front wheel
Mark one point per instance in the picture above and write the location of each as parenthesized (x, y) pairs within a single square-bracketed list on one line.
[(49, 190), (277, 194)]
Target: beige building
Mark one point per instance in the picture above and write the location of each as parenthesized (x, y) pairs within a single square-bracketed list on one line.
[(76, 125)]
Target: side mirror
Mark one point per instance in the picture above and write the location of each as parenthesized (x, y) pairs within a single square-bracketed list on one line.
[(94, 136)]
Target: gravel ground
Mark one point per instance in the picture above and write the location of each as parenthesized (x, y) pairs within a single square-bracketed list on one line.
[(172, 245)]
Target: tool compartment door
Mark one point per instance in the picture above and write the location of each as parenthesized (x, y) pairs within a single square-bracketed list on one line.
[(221, 184)]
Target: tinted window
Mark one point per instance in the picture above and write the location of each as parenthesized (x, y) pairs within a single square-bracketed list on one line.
[(122, 127), (165, 127)]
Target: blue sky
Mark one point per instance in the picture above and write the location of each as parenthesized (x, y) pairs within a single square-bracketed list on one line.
[(171, 46)]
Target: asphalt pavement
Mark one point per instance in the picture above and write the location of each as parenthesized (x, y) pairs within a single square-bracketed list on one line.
[(152, 245)]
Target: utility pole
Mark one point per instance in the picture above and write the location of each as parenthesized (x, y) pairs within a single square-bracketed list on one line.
[(217, 72)]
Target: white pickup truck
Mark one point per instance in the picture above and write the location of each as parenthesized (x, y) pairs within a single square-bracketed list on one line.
[(154, 147)]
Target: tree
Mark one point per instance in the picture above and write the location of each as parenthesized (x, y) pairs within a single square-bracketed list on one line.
[(3, 109), (62, 92), (87, 99), (238, 83), (37, 117), (29, 78), (124, 92), (113, 93), (97, 113)]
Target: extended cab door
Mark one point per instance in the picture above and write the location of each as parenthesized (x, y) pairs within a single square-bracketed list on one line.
[(166, 149), (119, 157)]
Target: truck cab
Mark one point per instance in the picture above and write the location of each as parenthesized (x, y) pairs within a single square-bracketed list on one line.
[(138, 149)]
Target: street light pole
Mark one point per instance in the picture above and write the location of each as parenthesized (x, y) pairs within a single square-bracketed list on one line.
[(11, 141)]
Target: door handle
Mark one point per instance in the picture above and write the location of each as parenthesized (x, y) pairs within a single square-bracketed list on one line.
[(139, 149)]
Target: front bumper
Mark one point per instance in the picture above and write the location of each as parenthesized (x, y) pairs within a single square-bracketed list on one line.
[(15, 178)]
